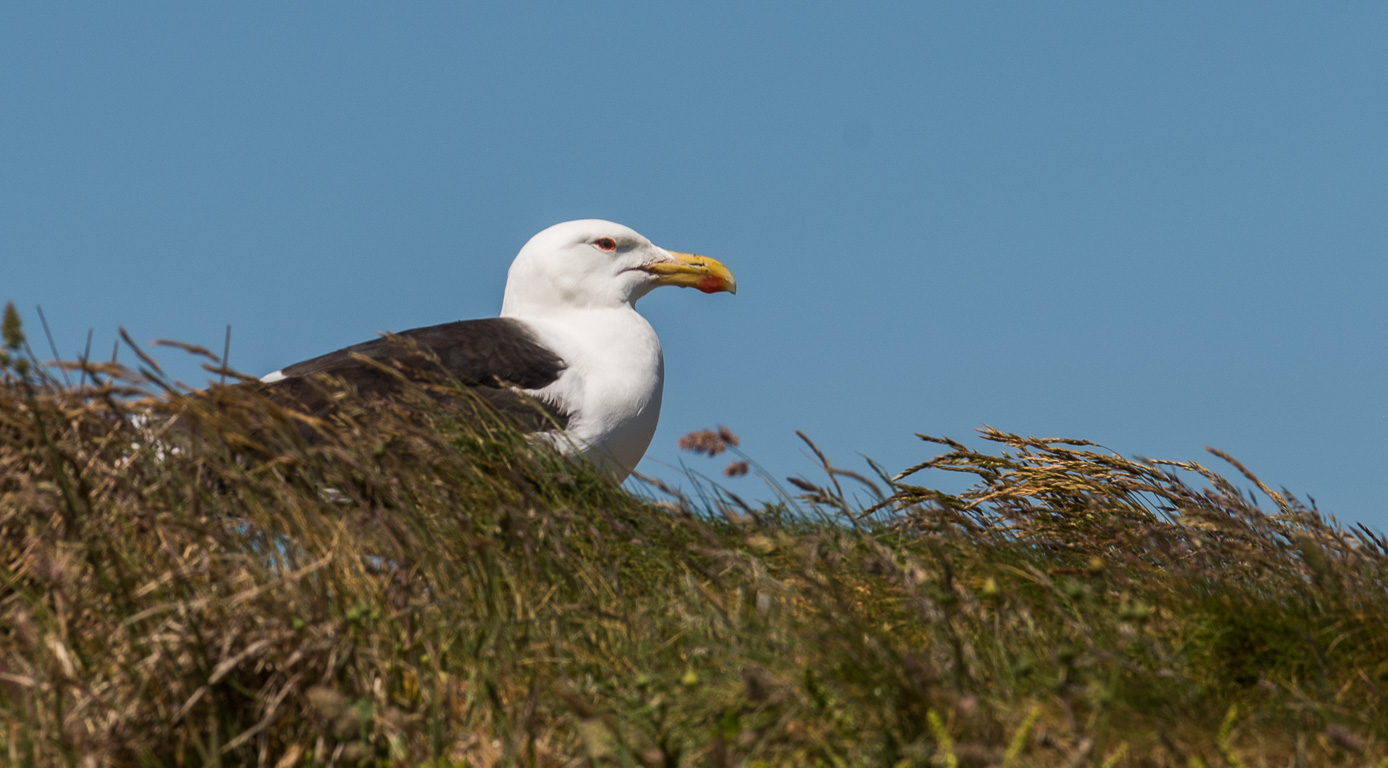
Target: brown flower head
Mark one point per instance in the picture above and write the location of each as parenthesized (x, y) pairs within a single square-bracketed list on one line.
[(708, 441)]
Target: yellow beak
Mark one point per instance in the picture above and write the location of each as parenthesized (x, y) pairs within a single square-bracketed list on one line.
[(690, 271)]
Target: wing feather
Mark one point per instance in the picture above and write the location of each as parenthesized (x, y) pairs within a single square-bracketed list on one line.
[(494, 357)]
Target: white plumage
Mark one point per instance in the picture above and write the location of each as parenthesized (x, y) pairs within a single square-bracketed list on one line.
[(569, 335)]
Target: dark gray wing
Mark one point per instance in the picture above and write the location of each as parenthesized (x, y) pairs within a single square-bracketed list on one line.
[(490, 356)]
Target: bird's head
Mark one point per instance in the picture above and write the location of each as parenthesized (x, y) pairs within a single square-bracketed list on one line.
[(595, 264)]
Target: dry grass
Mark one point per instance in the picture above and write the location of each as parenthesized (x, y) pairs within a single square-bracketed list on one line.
[(423, 588)]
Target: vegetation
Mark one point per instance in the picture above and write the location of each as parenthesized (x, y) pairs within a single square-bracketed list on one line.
[(185, 580)]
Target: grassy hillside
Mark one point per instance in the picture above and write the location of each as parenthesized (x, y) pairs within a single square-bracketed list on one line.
[(185, 581)]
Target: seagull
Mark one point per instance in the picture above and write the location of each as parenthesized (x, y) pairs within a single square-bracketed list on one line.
[(569, 359)]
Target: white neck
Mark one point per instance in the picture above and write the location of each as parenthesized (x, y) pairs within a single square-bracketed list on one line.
[(614, 380)]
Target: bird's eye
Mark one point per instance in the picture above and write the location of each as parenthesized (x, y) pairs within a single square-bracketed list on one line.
[(605, 244)]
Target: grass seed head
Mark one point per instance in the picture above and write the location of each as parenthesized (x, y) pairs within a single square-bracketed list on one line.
[(11, 330)]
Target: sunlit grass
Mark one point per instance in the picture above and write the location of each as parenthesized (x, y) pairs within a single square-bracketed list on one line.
[(188, 580)]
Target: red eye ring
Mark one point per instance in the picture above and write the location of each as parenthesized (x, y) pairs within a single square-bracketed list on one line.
[(605, 244)]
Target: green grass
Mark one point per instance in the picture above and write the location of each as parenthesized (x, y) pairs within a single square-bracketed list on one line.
[(422, 588)]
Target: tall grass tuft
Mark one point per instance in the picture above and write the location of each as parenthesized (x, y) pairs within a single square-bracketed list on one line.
[(210, 578)]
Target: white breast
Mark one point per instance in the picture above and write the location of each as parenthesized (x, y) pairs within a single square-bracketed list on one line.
[(612, 386)]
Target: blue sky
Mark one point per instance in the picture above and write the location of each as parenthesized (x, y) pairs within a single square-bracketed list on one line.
[(1158, 227)]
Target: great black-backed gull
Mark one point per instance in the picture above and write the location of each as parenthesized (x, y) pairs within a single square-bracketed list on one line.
[(569, 339)]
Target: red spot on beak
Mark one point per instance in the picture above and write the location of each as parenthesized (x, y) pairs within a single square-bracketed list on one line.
[(711, 284)]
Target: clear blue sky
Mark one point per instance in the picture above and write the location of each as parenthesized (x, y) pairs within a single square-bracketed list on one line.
[(1158, 226)]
